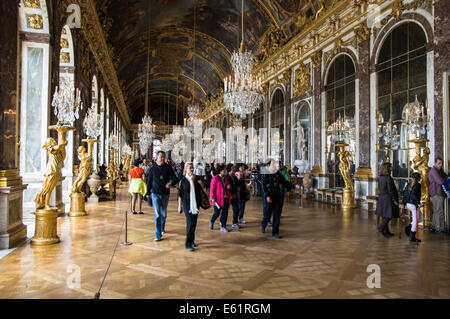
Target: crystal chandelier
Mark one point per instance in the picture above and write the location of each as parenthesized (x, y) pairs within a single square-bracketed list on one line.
[(386, 131), (92, 124), (114, 142), (342, 129), (67, 102), (126, 149), (416, 119), (166, 144), (237, 123), (242, 92), (146, 131)]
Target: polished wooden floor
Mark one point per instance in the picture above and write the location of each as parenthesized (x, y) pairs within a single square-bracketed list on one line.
[(324, 253)]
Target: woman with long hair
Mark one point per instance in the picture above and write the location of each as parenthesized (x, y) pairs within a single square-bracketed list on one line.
[(411, 197), (137, 188), (189, 203), (387, 205)]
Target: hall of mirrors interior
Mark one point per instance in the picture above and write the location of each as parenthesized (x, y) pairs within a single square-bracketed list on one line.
[(329, 89)]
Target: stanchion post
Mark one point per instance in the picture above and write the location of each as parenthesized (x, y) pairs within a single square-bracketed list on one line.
[(126, 243)]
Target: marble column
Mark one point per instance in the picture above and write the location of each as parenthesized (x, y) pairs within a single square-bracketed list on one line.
[(441, 64), (317, 106), (287, 124), (12, 230)]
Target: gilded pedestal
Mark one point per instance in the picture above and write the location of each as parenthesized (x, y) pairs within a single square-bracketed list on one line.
[(77, 205), (45, 231)]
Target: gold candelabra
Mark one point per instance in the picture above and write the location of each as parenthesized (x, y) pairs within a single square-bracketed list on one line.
[(348, 196), (46, 225), (77, 204)]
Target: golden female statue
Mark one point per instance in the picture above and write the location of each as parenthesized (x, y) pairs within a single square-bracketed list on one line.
[(421, 165), (84, 170), (56, 156), (344, 168)]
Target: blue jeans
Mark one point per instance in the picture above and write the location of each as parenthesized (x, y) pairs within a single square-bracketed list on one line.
[(241, 206), (160, 203), (264, 202)]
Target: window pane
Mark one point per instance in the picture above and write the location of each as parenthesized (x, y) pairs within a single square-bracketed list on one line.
[(418, 72), (33, 114), (399, 77), (400, 40), (339, 96), (385, 52), (350, 94), (398, 102), (384, 82)]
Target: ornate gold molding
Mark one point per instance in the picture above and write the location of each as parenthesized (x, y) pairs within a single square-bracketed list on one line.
[(316, 170), (35, 21), (364, 173), (10, 177), (93, 33), (32, 3), (64, 43), (64, 57), (317, 59), (362, 32), (302, 82)]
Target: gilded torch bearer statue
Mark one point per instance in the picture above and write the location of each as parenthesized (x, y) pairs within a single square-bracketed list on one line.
[(417, 118), (348, 196), (66, 102), (93, 127)]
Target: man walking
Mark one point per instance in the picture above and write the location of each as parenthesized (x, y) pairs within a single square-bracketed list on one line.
[(437, 177), (159, 179)]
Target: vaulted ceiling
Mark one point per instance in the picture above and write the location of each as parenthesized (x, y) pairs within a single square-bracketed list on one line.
[(169, 24)]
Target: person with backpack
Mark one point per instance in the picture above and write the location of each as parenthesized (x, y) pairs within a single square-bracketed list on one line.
[(411, 196)]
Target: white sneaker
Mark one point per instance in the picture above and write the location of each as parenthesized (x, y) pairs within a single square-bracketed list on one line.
[(235, 226), (157, 239)]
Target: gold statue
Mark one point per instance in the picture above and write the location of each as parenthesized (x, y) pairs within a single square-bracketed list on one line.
[(56, 156), (84, 169), (421, 165), (348, 194), (344, 168)]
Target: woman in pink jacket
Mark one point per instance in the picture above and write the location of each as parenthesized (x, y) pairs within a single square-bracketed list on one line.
[(220, 198)]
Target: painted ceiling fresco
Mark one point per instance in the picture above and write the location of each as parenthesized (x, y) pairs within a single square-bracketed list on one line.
[(168, 25)]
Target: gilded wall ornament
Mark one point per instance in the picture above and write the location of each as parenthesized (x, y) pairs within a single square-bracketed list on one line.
[(302, 82), (317, 59), (35, 21), (64, 43), (64, 57), (362, 32), (32, 3)]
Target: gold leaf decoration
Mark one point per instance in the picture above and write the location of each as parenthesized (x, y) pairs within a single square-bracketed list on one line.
[(64, 57), (35, 21), (64, 43), (302, 80), (32, 3)]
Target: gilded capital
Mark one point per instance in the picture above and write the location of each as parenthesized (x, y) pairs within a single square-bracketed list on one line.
[(317, 59)]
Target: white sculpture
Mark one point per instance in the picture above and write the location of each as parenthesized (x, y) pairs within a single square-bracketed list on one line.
[(300, 141)]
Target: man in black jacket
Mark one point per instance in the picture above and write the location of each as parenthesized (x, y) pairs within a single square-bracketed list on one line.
[(159, 179), (272, 185)]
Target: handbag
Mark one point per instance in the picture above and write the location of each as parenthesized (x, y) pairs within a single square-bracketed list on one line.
[(204, 199)]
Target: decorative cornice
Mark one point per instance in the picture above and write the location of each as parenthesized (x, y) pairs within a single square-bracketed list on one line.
[(93, 32)]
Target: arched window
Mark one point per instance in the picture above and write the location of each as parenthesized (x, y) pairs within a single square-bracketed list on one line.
[(67, 74), (402, 74), (34, 112), (277, 122), (102, 134), (107, 130), (340, 104), (94, 103)]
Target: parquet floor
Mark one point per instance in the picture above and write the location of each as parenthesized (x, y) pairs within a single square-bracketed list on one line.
[(324, 253)]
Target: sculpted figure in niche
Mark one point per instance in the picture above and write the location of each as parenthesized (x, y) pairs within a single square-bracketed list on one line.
[(300, 141)]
